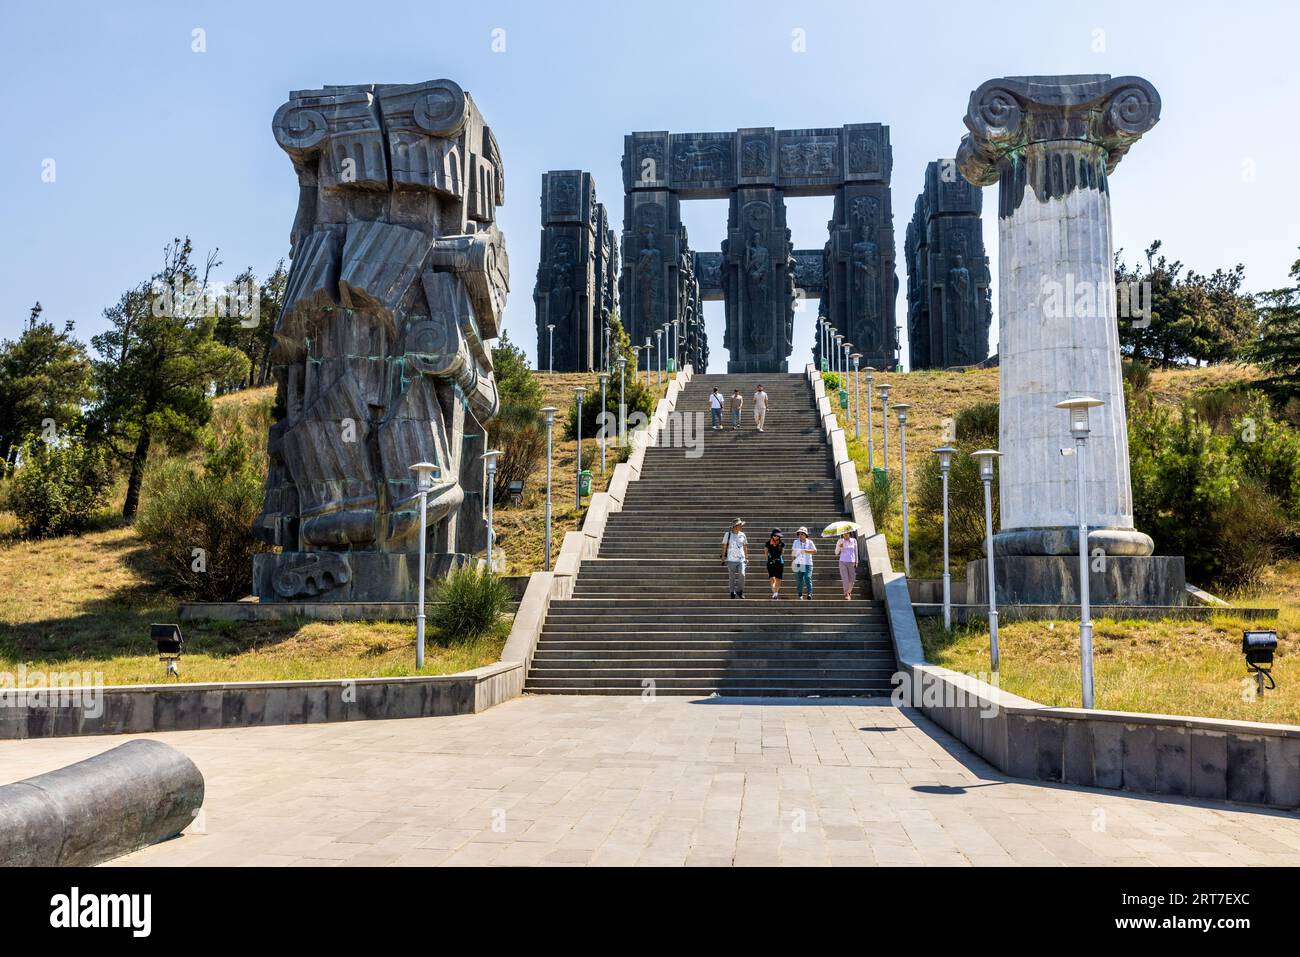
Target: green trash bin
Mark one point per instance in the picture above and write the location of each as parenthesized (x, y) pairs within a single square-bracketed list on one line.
[(844, 398), (826, 365), (584, 482), (880, 477), (672, 364)]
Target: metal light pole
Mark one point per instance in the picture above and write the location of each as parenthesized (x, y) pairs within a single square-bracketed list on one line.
[(548, 413), (986, 457), (604, 381), (898, 348), (550, 360), (900, 409), (857, 398), (821, 345), (945, 463), (1079, 429), (844, 357), (490, 458), (578, 390), (677, 342), (871, 371), (622, 405), (649, 377), (839, 353), (425, 473), (636, 363), (884, 418), (604, 359), (663, 349)]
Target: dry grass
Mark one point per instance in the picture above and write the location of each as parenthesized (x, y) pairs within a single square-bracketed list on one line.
[(1164, 667), (521, 529), (84, 604)]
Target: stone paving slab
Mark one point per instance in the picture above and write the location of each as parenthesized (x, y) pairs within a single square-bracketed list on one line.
[(570, 780)]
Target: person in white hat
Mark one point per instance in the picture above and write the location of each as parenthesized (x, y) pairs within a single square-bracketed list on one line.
[(802, 548), (734, 557)]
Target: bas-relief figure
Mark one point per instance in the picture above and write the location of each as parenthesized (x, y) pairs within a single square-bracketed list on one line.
[(381, 360), (949, 304), (574, 271)]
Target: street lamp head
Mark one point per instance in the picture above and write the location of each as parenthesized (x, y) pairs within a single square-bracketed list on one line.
[(986, 457), (550, 326), (490, 460), (856, 357), (900, 409), (945, 457), (548, 413), (604, 378), (578, 390), (884, 391), (425, 473), (1078, 407), (622, 363)]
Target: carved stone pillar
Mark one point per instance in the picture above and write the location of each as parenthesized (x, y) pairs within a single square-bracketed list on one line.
[(758, 281), (1051, 144)]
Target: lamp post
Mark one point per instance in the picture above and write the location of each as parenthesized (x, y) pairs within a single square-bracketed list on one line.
[(898, 348), (578, 391), (604, 358), (1078, 408), (871, 371), (900, 409), (425, 473), (648, 377), (884, 418), (821, 345), (857, 397), (677, 343), (550, 359), (490, 459), (945, 463), (622, 405), (986, 457), (839, 353), (844, 357), (663, 350), (548, 412), (604, 381)]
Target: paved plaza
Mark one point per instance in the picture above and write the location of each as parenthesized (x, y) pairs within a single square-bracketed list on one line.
[(617, 780)]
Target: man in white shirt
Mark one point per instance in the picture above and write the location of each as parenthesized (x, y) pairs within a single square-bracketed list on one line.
[(733, 556), (715, 408), (760, 407)]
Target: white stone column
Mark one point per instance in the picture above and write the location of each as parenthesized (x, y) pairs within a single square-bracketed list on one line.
[(1051, 143)]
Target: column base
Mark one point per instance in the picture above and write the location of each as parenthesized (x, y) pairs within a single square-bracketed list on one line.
[(1065, 541), (346, 576), (1054, 580)]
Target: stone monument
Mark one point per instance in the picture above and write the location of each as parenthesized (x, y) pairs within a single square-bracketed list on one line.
[(578, 263), (1051, 143), (381, 347), (758, 273), (949, 310)]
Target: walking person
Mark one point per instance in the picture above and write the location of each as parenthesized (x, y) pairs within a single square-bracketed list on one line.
[(760, 407), (737, 403), (735, 558), (775, 561), (847, 551), (803, 548), (715, 409)]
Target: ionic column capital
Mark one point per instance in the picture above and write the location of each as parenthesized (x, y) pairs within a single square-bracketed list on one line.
[(1008, 116)]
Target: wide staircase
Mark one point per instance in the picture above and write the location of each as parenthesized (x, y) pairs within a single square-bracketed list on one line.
[(653, 610)]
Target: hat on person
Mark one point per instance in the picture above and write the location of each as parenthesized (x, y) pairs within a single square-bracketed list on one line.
[(776, 533), (803, 530), (739, 521)]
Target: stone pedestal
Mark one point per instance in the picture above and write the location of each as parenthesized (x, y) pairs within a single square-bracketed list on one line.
[(1051, 143), (347, 577), (1054, 580)]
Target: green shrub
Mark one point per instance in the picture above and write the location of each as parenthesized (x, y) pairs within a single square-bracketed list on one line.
[(198, 524), (59, 487), (883, 498), (637, 394), (976, 428), (1137, 374), (831, 380), (472, 601)]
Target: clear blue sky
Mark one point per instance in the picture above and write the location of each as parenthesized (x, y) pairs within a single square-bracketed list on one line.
[(152, 140)]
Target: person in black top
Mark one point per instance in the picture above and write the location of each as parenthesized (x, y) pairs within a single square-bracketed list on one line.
[(775, 546)]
